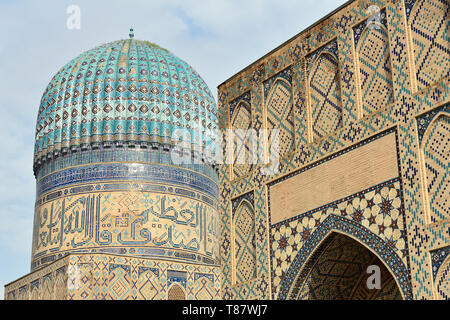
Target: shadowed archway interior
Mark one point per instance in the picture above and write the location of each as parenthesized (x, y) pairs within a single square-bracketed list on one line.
[(338, 271)]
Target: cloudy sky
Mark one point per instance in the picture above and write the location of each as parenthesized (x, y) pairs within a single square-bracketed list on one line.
[(218, 38)]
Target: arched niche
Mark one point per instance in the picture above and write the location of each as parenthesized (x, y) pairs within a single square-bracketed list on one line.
[(47, 288), (280, 116), (375, 70), (338, 270), (435, 150), (176, 292), (240, 124), (325, 96), (244, 242), (60, 285), (301, 264)]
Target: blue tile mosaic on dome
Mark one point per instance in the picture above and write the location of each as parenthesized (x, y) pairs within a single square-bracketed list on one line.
[(127, 90)]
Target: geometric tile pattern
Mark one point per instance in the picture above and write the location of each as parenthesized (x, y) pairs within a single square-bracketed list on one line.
[(35, 289), (148, 284), (80, 280), (300, 107), (285, 74), (311, 58), (429, 23), (110, 277), (22, 289), (61, 284), (119, 279), (23, 293)]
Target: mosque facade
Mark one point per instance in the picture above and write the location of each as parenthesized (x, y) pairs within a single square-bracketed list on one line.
[(323, 164)]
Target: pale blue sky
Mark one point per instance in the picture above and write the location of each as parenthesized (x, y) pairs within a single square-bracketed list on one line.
[(216, 37)]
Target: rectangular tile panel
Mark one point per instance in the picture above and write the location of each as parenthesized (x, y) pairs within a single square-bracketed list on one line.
[(358, 169)]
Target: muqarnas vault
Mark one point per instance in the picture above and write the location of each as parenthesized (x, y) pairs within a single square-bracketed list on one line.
[(361, 102)]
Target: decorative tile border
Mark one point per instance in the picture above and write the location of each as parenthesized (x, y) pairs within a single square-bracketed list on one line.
[(99, 276), (116, 153), (332, 156)]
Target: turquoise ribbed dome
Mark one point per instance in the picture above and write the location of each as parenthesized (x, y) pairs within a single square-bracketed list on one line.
[(127, 91)]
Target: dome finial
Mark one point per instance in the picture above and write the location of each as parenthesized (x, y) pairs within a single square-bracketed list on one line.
[(131, 35)]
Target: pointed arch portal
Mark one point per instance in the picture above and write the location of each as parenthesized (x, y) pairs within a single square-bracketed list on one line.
[(363, 243), (339, 270)]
